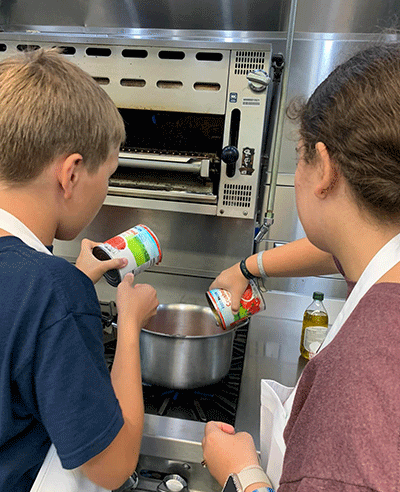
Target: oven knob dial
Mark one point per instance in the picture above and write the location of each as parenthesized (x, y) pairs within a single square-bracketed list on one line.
[(258, 80), (130, 485), (230, 155), (172, 483)]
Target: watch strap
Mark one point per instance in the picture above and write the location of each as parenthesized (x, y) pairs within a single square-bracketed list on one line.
[(251, 474), (264, 489), (245, 272)]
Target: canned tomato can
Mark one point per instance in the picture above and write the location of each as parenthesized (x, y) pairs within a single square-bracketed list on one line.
[(251, 303), (139, 245)]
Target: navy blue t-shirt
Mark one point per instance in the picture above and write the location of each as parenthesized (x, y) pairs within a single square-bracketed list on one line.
[(54, 383)]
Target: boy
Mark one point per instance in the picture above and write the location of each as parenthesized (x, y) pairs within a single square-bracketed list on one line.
[(60, 134)]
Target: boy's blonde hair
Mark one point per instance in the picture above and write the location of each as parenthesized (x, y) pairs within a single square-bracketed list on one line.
[(50, 107)]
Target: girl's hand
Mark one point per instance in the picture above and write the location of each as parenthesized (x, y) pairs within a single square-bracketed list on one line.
[(227, 452), (91, 266), (234, 282)]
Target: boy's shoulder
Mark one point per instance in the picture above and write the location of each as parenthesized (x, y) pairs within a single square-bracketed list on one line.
[(13, 249), (25, 268)]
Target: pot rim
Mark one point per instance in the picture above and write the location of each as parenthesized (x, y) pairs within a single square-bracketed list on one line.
[(188, 337), (192, 307)]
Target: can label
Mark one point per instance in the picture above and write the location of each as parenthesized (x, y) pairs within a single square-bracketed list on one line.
[(220, 302), (139, 245)]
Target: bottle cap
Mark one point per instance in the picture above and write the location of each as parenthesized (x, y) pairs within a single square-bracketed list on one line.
[(318, 296)]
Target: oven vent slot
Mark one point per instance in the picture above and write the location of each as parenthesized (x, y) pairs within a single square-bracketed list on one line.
[(67, 50), (169, 84), (209, 56), (206, 86), (237, 195), (98, 52), (133, 82), (27, 47), (133, 53), (102, 80), (171, 55), (246, 61)]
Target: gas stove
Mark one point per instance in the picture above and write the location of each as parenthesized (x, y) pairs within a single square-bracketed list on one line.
[(214, 402), (171, 453)]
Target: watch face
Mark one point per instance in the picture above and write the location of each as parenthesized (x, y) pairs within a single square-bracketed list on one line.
[(230, 485)]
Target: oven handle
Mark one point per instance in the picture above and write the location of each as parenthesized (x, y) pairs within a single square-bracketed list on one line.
[(180, 196), (200, 166)]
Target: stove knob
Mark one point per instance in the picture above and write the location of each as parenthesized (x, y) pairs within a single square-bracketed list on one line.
[(172, 483), (130, 485), (230, 155), (258, 80)]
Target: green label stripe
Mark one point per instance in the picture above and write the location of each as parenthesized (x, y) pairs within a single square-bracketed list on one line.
[(138, 250)]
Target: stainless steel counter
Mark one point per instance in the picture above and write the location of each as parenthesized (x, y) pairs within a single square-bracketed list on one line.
[(272, 352)]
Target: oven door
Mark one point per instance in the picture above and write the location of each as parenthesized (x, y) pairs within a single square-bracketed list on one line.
[(171, 157), (164, 177)]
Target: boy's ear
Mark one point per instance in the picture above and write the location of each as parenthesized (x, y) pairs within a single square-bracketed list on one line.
[(328, 173), (69, 173)]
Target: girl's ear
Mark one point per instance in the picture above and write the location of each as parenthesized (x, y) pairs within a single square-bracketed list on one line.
[(328, 175), (69, 173)]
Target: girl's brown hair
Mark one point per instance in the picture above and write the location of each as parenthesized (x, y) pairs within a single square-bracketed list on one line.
[(50, 107), (355, 112)]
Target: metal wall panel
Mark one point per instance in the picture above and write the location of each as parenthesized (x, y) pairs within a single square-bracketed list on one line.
[(198, 245), (346, 16), (314, 56), (338, 16), (287, 228), (247, 15)]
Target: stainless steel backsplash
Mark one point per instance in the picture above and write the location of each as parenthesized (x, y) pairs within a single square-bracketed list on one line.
[(338, 16)]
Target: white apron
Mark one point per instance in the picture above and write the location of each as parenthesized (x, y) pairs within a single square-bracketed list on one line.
[(52, 477), (277, 400)]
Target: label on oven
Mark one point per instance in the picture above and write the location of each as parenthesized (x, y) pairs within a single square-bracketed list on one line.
[(251, 101), (247, 161), (233, 97)]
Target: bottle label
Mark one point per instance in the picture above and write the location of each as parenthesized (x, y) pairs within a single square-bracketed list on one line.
[(313, 338)]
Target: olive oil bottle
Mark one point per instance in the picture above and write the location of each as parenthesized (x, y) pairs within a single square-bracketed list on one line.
[(315, 327)]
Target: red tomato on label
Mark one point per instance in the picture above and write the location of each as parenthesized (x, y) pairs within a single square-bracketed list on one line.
[(255, 306), (248, 293), (117, 242)]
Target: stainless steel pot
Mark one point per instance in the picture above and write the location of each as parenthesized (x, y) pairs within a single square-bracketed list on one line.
[(183, 347)]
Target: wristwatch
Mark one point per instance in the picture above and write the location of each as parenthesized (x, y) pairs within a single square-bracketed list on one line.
[(238, 482), (245, 272)]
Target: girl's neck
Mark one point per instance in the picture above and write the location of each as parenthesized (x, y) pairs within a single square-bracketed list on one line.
[(355, 248)]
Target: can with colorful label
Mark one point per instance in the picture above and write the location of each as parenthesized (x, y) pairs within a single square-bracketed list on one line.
[(139, 245), (251, 303)]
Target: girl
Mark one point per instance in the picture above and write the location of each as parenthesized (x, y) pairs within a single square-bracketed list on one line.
[(338, 430)]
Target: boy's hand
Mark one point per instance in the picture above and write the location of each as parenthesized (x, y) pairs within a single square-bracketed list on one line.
[(91, 266), (136, 304)]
